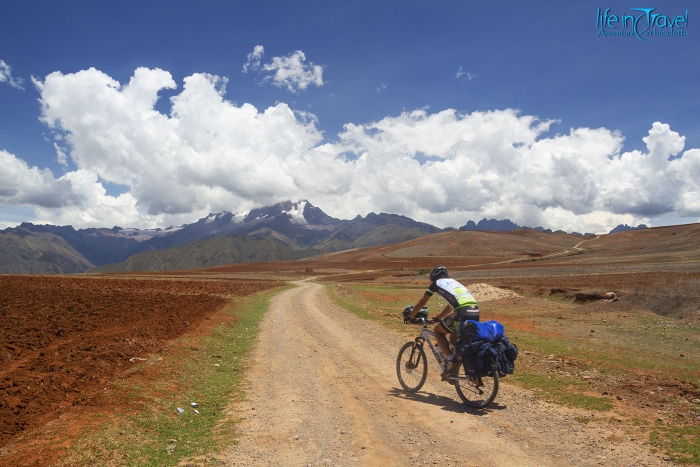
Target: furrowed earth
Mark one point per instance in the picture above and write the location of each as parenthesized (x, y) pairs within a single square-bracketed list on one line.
[(63, 338)]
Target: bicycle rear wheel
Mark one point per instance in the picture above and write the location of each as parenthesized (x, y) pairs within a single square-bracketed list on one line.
[(476, 392), (411, 367)]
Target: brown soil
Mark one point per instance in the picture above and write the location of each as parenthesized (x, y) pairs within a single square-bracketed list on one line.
[(64, 337)]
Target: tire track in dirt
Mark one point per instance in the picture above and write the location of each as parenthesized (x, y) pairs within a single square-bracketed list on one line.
[(323, 391)]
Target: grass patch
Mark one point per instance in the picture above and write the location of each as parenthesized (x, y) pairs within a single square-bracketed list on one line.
[(207, 370), (384, 304), (682, 443), (616, 341), (342, 296), (559, 390)]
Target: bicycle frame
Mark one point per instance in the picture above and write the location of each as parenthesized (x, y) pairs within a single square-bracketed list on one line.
[(425, 336)]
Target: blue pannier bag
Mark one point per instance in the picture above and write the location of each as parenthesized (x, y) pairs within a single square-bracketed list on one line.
[(471, 330)]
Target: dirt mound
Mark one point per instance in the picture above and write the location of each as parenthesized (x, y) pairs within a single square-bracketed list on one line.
[(484, 292), (64, 337)]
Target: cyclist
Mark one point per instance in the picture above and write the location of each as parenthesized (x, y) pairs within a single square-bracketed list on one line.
[(460, 306)]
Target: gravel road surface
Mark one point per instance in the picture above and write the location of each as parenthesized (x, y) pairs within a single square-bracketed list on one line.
[(323, 391)]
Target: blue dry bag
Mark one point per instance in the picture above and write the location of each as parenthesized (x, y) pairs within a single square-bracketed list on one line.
[(470, 330)]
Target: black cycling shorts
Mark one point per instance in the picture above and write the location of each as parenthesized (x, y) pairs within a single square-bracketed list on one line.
[(449, 323)]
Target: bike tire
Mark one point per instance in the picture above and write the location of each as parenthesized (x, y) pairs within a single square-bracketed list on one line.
[(411, 367), (477, 392)]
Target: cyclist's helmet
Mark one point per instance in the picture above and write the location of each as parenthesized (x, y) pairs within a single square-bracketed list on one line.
[(438, 272)]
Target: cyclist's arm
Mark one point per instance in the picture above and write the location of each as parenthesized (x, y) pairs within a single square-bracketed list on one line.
[(419, 306), (446, 312)]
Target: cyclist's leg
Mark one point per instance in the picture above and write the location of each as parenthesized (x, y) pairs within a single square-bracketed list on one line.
[(441, 335)]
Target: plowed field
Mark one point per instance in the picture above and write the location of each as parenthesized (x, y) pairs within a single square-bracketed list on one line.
[(63, 337)]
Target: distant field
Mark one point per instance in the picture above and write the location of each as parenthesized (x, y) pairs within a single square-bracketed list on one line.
[(520, 253)]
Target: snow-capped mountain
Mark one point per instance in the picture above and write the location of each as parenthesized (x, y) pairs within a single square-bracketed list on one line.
[(298, 225)]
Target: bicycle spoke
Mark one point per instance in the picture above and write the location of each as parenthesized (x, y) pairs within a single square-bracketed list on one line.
[(411, 367), (476, 392)]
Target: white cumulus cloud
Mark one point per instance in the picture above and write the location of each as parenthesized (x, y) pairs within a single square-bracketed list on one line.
[(24, 185), (6, 76), (77, 198), (209, 154), (253, 62), (290, 71)]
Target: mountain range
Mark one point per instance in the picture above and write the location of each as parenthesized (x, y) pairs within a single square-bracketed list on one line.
[(284, 231), (506, 225), (288, 230), (625, 227)]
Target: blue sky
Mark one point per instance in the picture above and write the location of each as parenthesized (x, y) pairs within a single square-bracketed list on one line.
[(379, 60)]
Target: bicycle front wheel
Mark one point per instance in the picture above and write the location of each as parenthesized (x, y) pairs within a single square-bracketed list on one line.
[(411, 367), (476, 392)]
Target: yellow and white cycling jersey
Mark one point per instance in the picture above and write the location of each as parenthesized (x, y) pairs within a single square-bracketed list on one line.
[(455, 293)]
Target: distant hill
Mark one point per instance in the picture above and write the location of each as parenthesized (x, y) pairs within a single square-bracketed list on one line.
[(491, 225), (97, 246), (215, 251), (356, 232), (267, 232), (623, 227), (22, 252), (388, 235)]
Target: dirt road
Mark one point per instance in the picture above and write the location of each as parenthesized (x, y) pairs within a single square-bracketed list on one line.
[(323, 391)]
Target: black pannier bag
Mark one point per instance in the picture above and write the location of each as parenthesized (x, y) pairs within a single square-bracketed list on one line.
[(467, 331), (480, 358), (423, 313), (507, 353), (466, 352)]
